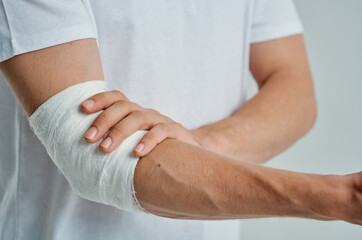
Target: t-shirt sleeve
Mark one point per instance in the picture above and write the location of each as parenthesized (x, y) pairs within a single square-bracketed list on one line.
[(274, 19), (29, 25)]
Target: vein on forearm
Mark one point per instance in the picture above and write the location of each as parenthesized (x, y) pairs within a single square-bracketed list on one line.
[(179, 180)]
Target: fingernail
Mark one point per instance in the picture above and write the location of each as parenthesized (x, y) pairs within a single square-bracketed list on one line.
[(88, 103), (106, 143), (91, 133), (139, 147)]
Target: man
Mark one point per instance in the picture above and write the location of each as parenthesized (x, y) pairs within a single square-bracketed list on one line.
[(187, 60)]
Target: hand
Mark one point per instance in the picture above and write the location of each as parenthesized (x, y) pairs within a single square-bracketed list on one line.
[(122, 118)]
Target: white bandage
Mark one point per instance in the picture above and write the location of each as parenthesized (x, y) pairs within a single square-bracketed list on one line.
[(60, 125)]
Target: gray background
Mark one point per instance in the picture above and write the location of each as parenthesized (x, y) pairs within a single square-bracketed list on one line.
[(333, 35)]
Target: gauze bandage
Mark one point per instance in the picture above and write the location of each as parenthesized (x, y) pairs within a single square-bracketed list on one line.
[(60, 125)]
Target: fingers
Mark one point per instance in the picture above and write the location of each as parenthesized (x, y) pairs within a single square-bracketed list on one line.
[(102, 100), (157, 134), (137, 120), (121, 118), (108, 118)]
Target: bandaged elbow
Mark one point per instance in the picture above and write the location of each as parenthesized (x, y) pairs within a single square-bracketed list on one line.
[(60, 125)]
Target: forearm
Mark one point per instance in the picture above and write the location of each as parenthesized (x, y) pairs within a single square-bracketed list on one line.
[(174, 180), (269, 123), (283, 110), (179, 180)]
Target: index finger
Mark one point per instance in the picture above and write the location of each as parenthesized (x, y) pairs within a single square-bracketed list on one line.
[(102, 100)]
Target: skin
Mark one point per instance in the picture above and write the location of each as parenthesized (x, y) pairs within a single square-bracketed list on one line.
[(181, 180), (123, 117), (281, 113)]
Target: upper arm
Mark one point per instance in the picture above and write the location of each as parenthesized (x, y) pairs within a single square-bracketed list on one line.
[(36, 76), (46, 46), (285, 55), (276, 41)]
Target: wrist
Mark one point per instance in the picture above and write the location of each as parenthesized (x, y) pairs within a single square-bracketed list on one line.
[(340, 197), (305, 195), (323, 196), (211, 140)]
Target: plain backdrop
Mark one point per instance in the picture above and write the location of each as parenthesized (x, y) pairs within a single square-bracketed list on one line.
[(333, 35)]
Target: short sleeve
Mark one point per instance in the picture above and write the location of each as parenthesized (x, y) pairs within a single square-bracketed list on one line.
[(274, 19), (29, 25)]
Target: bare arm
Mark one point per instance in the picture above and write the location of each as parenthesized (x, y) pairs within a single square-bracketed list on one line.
[(36, 76), (179, 180), (183, 181), (283, 110)]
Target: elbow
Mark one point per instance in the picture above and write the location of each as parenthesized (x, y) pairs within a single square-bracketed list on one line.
[(310, 114), (94, 175), (314, 114)]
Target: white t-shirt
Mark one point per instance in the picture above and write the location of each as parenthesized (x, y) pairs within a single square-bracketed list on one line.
[(186, 59)]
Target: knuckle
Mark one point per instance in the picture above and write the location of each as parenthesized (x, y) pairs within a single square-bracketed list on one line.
[(117, 135), (134, 106), (152, 110), (124, 105), (163, 126), (118, 94), (123, 102), (118, 130), (139, 114), (151, 137), (103, 118), (119, 103), (178, 125)]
